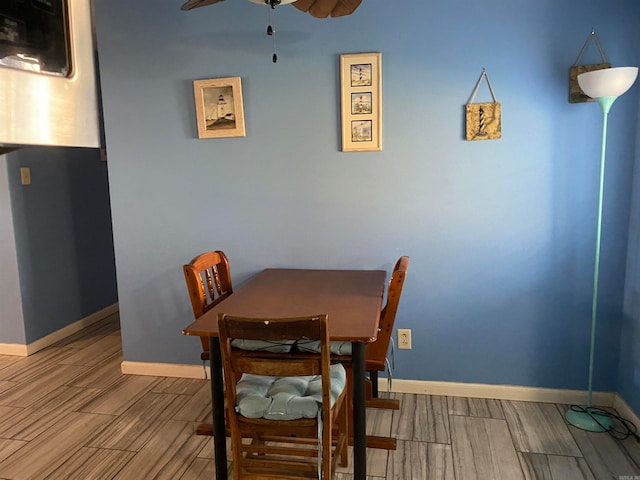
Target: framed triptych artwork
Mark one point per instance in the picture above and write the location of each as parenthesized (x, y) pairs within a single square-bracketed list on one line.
[(361, 93)]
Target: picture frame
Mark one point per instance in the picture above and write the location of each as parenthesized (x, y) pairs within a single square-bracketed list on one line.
[(219, 107), (483, 121), (361, 101)]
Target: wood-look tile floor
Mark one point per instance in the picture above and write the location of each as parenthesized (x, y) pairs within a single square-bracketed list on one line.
[(68, 413)]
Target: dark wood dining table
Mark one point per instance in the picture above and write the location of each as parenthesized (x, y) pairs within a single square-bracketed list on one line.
[(352, 299)]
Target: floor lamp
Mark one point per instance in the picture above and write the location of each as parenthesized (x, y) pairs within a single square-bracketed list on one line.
[(604, 86)]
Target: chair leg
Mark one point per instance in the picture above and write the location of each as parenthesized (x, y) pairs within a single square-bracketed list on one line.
[(344, 429), (374, 401), (373, 376), (326, 454)]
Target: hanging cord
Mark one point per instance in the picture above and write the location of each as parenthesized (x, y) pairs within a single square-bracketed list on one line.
[(390, 365), (389, 374), (626, 427), (594, 36), (270, 30), (475, 90)]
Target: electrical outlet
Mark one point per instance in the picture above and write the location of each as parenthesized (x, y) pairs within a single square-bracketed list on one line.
[(404, 338)]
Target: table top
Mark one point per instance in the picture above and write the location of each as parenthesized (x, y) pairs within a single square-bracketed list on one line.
[(351, 298)]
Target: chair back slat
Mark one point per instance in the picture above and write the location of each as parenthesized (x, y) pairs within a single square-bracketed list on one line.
[(274, 329), (277, 329), (274, 367)]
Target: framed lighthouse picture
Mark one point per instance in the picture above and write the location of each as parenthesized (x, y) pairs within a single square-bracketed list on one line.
[(219, 109)]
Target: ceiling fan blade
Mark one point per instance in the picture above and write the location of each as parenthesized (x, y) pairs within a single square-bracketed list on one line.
[(345, 7), (324, 8), (303, 5), (198, 3), (317, 8)]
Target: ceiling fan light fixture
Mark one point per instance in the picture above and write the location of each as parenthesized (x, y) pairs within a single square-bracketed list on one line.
[(273, 3)]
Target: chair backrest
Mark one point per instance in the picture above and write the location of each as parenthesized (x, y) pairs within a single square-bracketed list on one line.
[(208, 280), (376, 352), (236, 362)]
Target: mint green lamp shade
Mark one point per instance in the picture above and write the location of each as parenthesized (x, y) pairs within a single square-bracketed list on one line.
[(604, 86)]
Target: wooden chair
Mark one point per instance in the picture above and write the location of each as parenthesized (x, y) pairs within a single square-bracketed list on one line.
[(283, 446), (376, 352), (209, 282)]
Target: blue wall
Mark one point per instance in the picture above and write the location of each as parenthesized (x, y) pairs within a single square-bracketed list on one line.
[(629, 370), (63, 237), (501, 234), (11, 320)]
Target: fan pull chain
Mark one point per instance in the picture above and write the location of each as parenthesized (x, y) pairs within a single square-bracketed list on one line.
[(271, 32)]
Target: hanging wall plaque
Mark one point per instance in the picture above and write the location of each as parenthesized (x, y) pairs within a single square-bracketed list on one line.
[(483, 119), (576, 95)]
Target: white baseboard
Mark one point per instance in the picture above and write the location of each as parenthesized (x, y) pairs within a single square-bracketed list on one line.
[(14, 349), (163, 369), (625, 411), (452, 389), (44, 342), (500, 392)]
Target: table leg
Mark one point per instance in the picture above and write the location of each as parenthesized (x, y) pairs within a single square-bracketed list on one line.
[(217, 398), (359, 412)]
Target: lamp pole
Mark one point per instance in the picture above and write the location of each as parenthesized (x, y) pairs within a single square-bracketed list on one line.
[(605, 86), (605, 103), (587, 417)]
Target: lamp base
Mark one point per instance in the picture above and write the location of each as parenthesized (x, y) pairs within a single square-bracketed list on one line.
[(588, 418)]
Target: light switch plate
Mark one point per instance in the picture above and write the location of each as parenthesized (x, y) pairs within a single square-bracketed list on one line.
[(25, 176)]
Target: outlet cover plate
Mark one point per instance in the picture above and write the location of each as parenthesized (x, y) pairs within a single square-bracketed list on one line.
[(404, 338)]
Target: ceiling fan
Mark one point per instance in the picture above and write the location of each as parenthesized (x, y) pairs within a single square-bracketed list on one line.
[(317, 8)]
